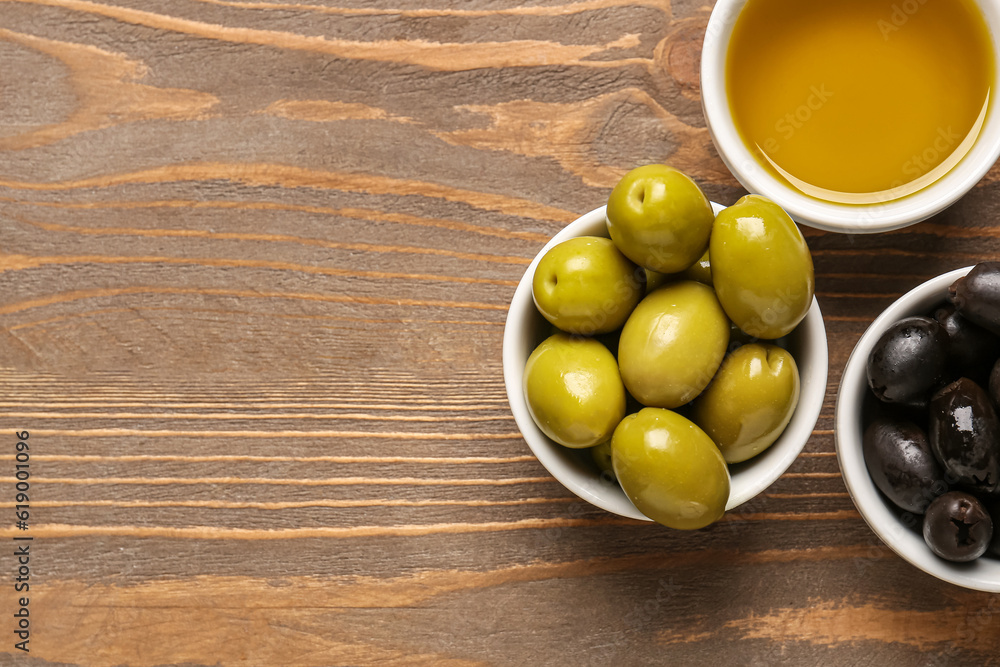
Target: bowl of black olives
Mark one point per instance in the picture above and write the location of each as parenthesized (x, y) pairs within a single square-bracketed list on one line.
[(917, 426)]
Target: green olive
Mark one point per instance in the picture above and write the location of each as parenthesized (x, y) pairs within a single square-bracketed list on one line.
[(761, 267), (656, 280), (601, 454), (670, 469), (659, 218), (738, 337), (586, 286), (750, 401), (700, 271), (573, 390), (672, 344)]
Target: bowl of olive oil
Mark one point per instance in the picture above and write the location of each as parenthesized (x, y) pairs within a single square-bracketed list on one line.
[(854, 115)]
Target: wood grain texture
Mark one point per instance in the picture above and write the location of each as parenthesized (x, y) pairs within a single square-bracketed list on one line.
[(255, 259)]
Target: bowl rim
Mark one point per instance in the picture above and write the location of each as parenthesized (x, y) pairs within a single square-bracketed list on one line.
[(881, 517), (830, 216), (778, 458)]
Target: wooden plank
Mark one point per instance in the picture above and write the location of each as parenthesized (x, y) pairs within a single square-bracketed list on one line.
[(255, 262)]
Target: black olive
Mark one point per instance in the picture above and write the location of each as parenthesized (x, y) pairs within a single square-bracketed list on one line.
[(993, 507), (994, 386), (965, 436), (977, 295), (872, 409), (957, 527), (901, 464), (971, 348), (908, 361)]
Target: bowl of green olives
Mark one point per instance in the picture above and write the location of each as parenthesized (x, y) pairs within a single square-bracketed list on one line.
[(917, 432), (600, 434)]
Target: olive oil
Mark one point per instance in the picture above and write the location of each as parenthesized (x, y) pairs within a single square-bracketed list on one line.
[(860, 101)]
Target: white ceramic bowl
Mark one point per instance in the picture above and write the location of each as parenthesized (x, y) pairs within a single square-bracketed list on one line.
[(881, 515), (853, 218), (526, 328)]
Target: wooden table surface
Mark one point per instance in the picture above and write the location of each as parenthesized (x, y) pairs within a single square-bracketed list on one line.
[(255, 261)]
